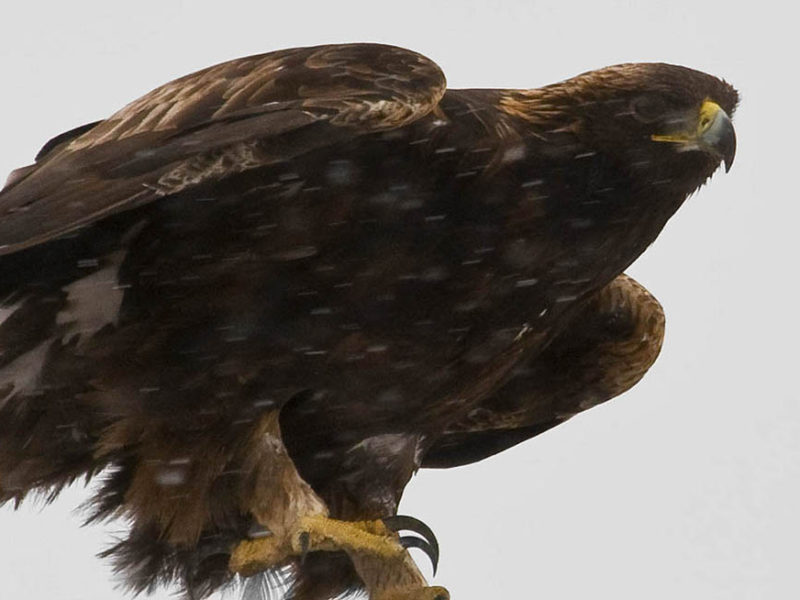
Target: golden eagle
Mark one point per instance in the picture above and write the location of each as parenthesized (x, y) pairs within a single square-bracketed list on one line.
[(263, 295)]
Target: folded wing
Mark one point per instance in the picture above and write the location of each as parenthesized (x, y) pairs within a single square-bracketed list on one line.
[(202, 127)]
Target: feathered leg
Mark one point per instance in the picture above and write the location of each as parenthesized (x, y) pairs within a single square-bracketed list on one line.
[(297, 522)]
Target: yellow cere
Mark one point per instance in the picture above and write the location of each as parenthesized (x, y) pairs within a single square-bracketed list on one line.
[(708, 112)]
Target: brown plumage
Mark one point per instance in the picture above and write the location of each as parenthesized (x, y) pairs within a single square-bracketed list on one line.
[(266, 293), (606, 350)]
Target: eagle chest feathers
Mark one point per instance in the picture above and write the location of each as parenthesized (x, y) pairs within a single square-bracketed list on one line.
[(260, 297)]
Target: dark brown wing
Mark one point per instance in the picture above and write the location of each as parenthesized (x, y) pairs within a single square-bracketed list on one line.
[(604, 351), (224, 119)]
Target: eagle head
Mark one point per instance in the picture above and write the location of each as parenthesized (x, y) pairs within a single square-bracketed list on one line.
[(651, 122)]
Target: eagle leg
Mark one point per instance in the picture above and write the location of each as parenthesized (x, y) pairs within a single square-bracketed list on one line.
[(297, 521)]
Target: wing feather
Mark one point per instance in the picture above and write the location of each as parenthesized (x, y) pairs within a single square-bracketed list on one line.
[(241, 114)]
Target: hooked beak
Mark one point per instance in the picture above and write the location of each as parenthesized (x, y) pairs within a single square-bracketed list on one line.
[(710, 131)]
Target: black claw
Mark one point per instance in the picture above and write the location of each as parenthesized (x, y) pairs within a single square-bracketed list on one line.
[(305, 544), (405, 523), (412, 541)]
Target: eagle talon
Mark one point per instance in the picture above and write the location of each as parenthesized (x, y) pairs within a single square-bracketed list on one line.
[(399, 523), (427, 541), (412, 541)]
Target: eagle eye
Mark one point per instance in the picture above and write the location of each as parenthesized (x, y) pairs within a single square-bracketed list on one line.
[(648, 108)]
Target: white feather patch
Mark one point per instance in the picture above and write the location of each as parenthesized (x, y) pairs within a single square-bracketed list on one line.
[(22, 374), (93, 301)]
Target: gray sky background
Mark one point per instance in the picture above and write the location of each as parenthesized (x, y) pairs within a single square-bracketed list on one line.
[(685, 487)]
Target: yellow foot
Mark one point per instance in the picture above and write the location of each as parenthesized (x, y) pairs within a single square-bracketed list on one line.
[(253, 556), (364, 537), (314, 533)]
